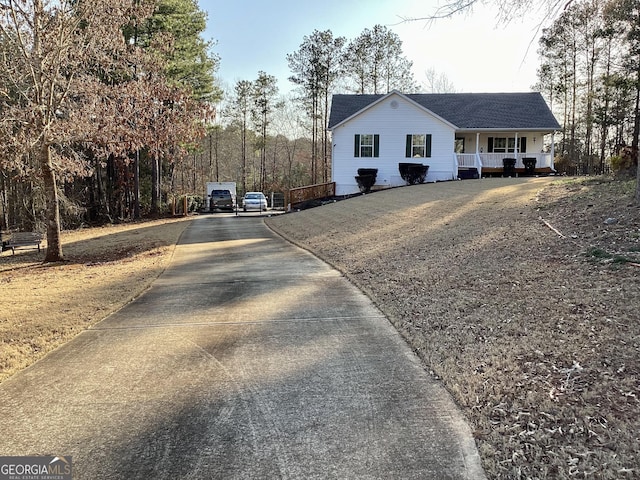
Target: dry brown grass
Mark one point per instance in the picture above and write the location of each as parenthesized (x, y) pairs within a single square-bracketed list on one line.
[(536, 335), (43, 306)]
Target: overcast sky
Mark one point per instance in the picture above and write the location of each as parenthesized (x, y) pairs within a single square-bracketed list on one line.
[(473, 52)]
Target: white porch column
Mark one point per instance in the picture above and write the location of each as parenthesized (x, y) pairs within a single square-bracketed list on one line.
[(478, 160), (553, 150), (516, 150)]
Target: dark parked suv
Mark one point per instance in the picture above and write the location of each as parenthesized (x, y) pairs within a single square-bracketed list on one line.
[(221, 200)]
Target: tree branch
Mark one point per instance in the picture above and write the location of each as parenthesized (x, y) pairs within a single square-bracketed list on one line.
[(508, 10)]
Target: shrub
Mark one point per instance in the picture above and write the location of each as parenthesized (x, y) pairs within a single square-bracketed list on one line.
[(194, 203), (366, 178), (625, 163), (564, 165), (413, 173), (365, 182)]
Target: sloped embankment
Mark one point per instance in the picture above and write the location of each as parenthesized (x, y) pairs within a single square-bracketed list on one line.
[(521, 295)]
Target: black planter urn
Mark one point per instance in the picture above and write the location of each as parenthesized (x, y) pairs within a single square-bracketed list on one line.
[(413, 173), (366, 179)]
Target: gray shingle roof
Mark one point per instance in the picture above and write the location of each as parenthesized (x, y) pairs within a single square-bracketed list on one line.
[(467, 111)]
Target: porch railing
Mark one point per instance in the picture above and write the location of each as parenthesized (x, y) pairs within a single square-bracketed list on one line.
[(467, 160), (494, 160)]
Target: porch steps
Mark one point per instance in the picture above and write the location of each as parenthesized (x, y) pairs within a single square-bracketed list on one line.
[(468, 173)]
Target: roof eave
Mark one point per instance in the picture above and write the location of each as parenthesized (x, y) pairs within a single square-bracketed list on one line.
[(509, 129)]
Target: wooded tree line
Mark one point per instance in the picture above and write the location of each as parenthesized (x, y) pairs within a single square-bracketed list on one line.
[(98, 98), (110, 108), (590, 74), (269, 143)]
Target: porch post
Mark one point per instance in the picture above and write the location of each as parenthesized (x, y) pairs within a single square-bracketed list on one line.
[(477, 160), (553, 150), (516, 150)]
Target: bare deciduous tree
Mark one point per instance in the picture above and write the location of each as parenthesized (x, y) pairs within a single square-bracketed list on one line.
[(507, 10), (438, 82), (68, 82)]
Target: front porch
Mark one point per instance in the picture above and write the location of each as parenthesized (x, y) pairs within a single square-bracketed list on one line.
[(493, 163), (504, 153)]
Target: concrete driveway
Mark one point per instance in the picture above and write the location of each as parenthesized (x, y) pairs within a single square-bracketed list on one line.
[(248, 358)]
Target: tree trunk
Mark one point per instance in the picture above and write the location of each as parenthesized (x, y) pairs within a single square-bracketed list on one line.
[(155, 185), (325, 136), (263, 152), (314, 138), (637, 196), (4, 196), (636, 136), (136, 186), (244, 154), (54, 245), (605, 110), (573, 151)]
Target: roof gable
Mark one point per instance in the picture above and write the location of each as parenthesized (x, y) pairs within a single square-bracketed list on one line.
[(465, 111), (345, 106)]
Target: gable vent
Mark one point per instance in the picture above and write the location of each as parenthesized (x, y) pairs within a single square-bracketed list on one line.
[(394, 104)]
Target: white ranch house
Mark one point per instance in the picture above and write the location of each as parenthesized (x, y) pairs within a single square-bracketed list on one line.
[(459, 135)]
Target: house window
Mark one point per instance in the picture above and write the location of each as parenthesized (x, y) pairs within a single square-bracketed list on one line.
[(500, 145), (506, 145), (418, 145), (459, 145), (367, 145)]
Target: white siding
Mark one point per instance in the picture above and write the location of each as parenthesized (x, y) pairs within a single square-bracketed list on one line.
[(393, 119)]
